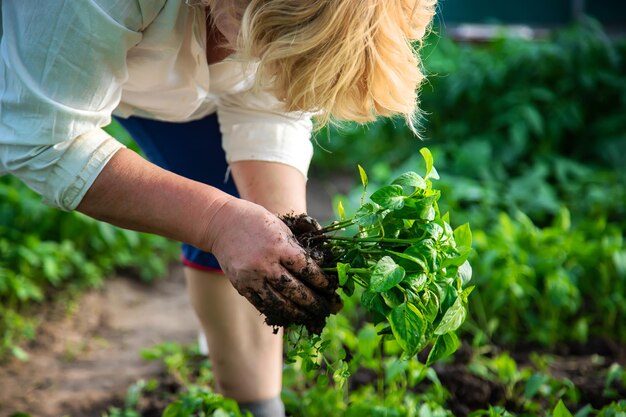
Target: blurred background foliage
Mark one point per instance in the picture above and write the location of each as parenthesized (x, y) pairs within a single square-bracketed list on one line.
[(529, 138)]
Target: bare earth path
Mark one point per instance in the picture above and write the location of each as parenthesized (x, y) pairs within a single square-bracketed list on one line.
[(89, 358), (85, 359)]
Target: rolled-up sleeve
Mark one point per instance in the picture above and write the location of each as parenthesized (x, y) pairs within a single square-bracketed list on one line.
[(62, 65), (254, 128)]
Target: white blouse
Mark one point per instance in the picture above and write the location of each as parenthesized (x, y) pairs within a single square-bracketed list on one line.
[(66, 66)]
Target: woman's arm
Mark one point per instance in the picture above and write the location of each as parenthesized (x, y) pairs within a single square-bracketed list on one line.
[(278, 187), (255, 249), (135, 194)]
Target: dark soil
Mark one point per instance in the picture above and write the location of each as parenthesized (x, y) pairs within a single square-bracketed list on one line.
[(306, 232), (469, 392), (87, 354), (584, 365)]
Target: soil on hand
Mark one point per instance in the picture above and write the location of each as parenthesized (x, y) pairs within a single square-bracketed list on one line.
[(305, 230)]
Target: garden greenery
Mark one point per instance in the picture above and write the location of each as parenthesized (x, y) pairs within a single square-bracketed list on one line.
[(410, 262), (530, 140)]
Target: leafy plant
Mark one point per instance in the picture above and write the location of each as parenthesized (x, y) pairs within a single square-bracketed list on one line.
[(410, 262)]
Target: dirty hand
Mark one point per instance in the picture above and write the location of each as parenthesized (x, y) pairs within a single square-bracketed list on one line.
[(265, 263)]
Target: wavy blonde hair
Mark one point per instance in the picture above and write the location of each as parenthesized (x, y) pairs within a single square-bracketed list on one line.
[(343, 59)]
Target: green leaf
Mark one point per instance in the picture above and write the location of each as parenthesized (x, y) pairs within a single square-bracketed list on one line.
[(453, 318), (174, 409), (431, 172), (533, 384), (428, 159), (369, 341), (445, 345), (341, 211), (463, 235), (465, 273), (19, 353), (386, 275), (364, 182), (457, 260), (342, 272), (433, 231), (424, 249), (407, 325), (374, 302), (417, 282), (322, 381), (561, 411), (389, 197), (418, 208), (341, 374), (410, 179), (396, 371), (410, 257), (430, 306), (363, 177), (367, 215), (394, 297), (51, 270)]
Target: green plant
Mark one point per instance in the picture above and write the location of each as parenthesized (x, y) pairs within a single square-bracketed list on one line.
[(506, 102), (533, 281), (412, 266)]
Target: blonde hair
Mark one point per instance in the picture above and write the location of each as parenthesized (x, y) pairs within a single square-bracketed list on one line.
[(343, 59)]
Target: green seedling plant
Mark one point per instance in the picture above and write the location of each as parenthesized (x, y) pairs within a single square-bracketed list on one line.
[(412, 266)]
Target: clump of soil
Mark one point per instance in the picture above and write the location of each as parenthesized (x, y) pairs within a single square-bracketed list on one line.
[(307, 232)]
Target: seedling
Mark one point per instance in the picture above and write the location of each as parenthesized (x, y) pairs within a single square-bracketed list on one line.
[(409, 261)]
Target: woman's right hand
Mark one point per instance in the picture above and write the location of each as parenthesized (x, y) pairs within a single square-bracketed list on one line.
[(265, 263)]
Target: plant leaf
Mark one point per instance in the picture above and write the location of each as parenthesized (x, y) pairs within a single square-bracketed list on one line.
[(394, 297), (465, 273), (463, 235), (386, 275), (367, 215), (457, 260), (411, 258), (373, 301), (417, 282), (453, 318), (408, 327), (389, 197), (341, 211), (445, 345), (424, 249), (363, 177), (342, 272), (410, 179), (561, 411), (428, 159), (431, 172)]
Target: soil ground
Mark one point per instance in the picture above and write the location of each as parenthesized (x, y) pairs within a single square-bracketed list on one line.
[(84, 359), (88, 358)]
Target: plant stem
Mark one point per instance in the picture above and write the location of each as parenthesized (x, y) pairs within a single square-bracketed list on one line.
[(356, 270), (336, 226), (372, 239)]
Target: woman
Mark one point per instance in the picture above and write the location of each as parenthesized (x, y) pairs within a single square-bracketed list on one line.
[(187, 79)]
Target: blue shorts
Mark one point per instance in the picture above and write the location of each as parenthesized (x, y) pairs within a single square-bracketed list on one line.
[(193, 150)]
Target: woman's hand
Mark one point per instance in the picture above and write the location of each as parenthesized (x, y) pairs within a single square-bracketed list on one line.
[(265, 263), (257, 251)]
